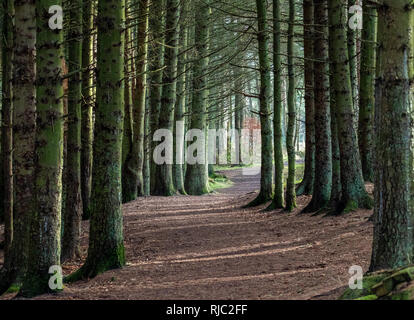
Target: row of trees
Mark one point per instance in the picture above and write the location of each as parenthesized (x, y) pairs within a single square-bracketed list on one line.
[(81, 106)]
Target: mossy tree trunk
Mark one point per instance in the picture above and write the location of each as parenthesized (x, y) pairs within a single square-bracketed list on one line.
[(46, 220), (306, 186), (290, 134), (163, 172), (336, 190), (323, 155), (178, 172), (367, 95), (6, 274), (353, 58), (73, 206), (266, 178), (24, 131), (127, 132), (196, 180), (133, 172), (393, 213), (354, 194), (106, 248), (157, 27), (278, 198), (87, 106)]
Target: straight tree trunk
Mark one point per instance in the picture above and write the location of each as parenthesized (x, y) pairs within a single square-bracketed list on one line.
[(353, 59), (73, 206), (354, 195), (393, 212), (6, 273), (134, 179), (336, 190), (196, 180), (306, 186), (323, 155), (290, 144), (127, 136), (157, 27), (367, 95), (45, 239), (266, 178), (163, 172), (178, 172), (278, 198), (106, 247), (87, 106)]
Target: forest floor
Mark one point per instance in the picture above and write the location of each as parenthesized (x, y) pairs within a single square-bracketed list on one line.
[(209, 247)]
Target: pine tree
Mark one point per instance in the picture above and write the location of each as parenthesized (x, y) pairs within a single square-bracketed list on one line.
[(306, 186), (367, 95), (354, 194), (393, 212), (266, 178), (164, 175), (45, 242), (6, 276), (291, 102), (73, 205), (133, 185), (196, 182), (278, 198), (87, 103), (323, 153), (106, 248)]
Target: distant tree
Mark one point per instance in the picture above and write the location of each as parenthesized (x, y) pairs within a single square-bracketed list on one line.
[(291, 102), (266, 178), (367, 91), (196, 180), (323, 153), (73, 205)]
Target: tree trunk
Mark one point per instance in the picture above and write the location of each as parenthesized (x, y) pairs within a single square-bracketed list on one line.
[(163, 172), (393, 213), (354, 194), (196, 181), (306, 186), (134, 180), (266, 178), (367, 95), (8, 272), (178, 172), (157, 26), (87, 107), (46, 220), (278, 198), (73, 206), (106, 248), (323, 155), (290, 146)]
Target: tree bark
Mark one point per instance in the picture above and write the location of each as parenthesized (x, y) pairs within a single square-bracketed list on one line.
[(73, 206), (393, 212), (46, 220), (106, 247), (323, 155), (306, 186), (354, 195), (367, 95)]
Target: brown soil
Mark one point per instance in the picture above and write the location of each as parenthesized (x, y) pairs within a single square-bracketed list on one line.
[(208, 247)]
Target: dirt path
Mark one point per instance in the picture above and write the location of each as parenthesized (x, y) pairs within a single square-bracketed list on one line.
[(209, 248)]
